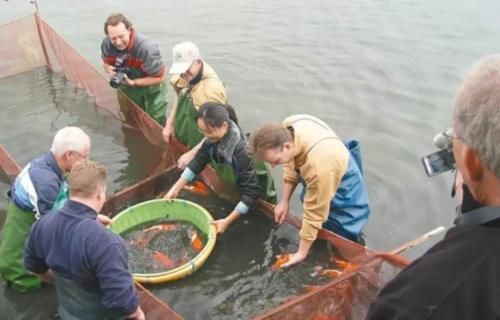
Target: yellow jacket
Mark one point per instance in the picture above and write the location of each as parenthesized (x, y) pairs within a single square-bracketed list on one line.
[(210, 88), (321, 159)]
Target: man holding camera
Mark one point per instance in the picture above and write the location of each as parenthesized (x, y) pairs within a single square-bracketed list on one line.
[(459, 277), (133, 63)]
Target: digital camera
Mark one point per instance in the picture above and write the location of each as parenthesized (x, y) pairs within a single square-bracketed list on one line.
[(120, 71), (442, 160)]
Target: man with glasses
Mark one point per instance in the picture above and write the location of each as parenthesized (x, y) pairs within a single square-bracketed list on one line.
[(459, 278), (87, 262), (134, 64), (38, 188)]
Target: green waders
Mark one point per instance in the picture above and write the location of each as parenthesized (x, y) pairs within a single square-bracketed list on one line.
[(152, 99), (15, 232)]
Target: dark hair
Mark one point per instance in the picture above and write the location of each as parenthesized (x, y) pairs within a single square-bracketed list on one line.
[(215, 114), (114, 19)]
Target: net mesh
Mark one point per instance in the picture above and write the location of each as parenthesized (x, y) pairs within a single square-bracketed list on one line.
[(33, 43)]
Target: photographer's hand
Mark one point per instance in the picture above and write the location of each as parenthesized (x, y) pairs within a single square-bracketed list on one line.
[(109, 69), (129, 82)]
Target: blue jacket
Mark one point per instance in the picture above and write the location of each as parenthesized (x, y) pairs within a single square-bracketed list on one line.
[(37, 186), (77, 247)]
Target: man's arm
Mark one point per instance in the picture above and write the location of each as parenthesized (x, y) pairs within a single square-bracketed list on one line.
[(168, 131), (143, 82), (115, 281), (33, 261)]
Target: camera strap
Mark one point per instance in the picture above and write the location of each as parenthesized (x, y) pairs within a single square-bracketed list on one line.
[(478, 216)]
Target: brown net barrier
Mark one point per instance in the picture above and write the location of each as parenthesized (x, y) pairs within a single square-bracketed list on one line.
[(347, 297), (33, 43)]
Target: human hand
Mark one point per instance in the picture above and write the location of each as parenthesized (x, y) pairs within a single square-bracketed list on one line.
[(109, 69), (128, 82), (137, 315), (167, 132), (185, 159), (294, 259), (281, 211), (171, 194), (220, 225), (104, 220)]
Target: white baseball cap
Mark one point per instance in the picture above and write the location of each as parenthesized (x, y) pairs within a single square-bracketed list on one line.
[(183, 55)]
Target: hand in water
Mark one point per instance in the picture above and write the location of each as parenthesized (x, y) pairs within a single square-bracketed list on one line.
[(294, 259)]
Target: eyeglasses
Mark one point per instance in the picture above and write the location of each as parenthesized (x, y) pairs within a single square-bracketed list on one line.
[(83, 156)]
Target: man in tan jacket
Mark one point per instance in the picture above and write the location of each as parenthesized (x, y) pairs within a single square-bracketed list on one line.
[(334, 194)]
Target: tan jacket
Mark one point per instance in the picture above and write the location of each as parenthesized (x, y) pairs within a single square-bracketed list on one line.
[(321, 159), (210, 88)]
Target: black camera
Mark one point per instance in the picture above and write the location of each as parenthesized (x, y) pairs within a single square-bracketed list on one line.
[(120, 71), (442, 160)]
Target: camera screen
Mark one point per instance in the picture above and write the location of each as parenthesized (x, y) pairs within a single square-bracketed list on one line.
[(438, 162)]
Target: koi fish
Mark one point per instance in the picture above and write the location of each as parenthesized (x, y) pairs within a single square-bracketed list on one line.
[(162, 227), (149, 233), (197, 187), (163, 259), (330, 273), (281, 259), (196, 242), (346, 266), (311, 288)]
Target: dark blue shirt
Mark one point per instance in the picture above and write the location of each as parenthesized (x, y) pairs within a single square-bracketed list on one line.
[(75, 246), (38, 184)]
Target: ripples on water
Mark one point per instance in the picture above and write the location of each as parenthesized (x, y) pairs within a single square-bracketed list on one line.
[(381, 71)]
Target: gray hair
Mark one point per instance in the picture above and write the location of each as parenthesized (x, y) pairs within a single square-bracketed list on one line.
[(69, 139), (476, 118)]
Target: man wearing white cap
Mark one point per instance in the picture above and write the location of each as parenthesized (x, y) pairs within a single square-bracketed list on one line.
[(195, 83)]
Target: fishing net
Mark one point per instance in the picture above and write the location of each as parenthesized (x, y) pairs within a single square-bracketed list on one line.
[(32, 43)]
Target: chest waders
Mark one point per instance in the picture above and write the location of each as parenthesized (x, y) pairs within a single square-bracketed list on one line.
[(186, 130), (152, 99), (15, 232)]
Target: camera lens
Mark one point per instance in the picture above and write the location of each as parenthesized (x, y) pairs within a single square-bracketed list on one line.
[(116, 80)]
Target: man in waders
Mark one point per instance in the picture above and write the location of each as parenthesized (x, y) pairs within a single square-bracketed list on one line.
[(133, 63), (39, 187), (196, 83), (87, 262), (334, 193)]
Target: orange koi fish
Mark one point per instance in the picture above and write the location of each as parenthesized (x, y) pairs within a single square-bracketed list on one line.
[(281, 259), (330, 273), (163, 259), (196, 242), (151, 232), (311, 288), (162, 227), (197, 187), (346, 266)]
